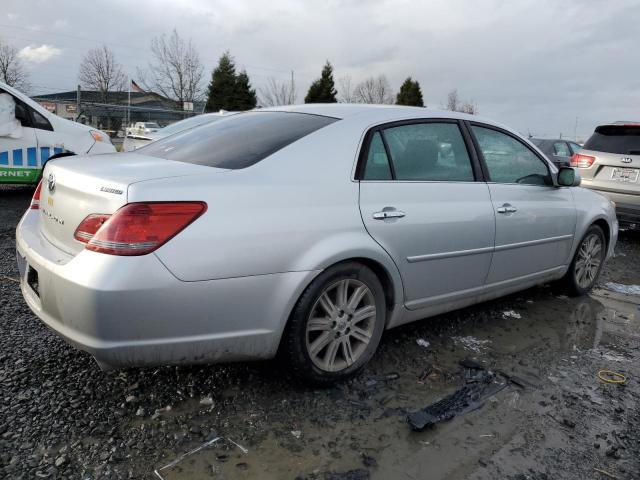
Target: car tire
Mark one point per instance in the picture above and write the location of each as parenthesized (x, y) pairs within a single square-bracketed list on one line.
[(586, 265), (336, 325)]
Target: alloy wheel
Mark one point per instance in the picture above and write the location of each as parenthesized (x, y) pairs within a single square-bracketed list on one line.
[(340, 325), (589, 259)]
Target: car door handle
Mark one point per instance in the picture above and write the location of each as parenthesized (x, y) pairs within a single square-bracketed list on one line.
[(506, 208), (387, 214)]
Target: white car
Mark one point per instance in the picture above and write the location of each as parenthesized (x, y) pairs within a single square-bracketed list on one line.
[(30, 135), (133, 141)]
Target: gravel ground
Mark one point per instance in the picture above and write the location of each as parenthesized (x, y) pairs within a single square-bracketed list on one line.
[(61, 417)]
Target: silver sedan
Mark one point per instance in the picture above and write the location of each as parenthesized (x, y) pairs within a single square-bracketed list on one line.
[(307, 230)]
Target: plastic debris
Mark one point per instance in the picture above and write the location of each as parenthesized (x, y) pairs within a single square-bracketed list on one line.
[(423, 343), (472, 343), (206, 444), (206, 400), (296, 433), (466, 399), (511, 314), (621, 288)]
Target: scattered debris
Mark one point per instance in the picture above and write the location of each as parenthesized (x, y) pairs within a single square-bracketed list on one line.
[(392, 376), (206, 444), (471, 343), (511, 314), (607, 376), (423, 343), (140, 412), (357, 474), (604, 472), (466, 399), (369, 461), (206, 400), (296, 433), (621, 288), (472, 364)]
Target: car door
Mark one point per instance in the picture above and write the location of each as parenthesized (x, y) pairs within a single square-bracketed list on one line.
[(50, 142), (420, 201), (535, 220), (18, 156)]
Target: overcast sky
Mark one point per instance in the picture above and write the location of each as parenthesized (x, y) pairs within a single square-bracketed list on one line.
[(534, 65)]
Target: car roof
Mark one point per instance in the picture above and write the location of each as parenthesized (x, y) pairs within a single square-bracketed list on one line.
[(380, 113)]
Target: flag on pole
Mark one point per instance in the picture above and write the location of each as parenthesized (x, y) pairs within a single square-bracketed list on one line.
[(136, 88)]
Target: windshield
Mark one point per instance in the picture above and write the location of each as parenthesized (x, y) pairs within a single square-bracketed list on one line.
[(237, 141), (622, 139), (190, 123)]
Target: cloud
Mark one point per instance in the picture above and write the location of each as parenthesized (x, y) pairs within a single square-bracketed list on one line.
[(41, 54)]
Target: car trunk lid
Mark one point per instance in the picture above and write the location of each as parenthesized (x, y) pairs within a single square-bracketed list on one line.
[(75, 187)]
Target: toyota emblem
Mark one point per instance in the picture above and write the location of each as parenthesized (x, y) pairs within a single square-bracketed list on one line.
[(51, 183)]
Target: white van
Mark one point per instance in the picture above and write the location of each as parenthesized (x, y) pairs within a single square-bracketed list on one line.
[(30, 135)]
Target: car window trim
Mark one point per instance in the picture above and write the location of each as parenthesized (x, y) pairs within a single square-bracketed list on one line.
[(33, 120), (364, 151), (483, 162)]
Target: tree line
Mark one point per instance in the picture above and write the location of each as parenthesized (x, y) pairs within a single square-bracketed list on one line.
[(175, 71)]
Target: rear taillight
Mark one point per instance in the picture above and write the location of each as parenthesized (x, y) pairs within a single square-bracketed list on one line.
[(582, 161), (140, 228), (35, 201), (89, 226)]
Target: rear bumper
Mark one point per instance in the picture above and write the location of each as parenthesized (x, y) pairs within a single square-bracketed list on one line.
[(131, 311), (627, 205)]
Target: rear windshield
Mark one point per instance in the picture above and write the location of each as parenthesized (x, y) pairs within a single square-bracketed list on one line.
[(615, 139), (238, 141), (190, 123)]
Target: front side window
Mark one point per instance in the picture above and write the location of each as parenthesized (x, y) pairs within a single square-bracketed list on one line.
[(237, 141), (575, 147), (39, 121), (429, 152), (509, 160)]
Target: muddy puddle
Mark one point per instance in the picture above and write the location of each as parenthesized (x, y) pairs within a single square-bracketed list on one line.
[(553, 345)]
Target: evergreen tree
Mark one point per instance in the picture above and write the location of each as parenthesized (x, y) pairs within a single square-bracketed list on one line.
[(323, 89), (222, 88), (410, 94), (245, 96)]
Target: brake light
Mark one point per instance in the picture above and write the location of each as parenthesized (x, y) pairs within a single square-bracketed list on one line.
[(141, 228), (35, 201), (582, 161), (89, 226)]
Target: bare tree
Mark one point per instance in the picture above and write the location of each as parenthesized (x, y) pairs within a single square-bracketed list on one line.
[(12, 71), (452, 101), (100, 72), (277, 92), (346, 93), (374, 90), (455, 105), (176, 70)]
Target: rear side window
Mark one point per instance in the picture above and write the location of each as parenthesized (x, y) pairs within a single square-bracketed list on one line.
[(238, 141), (561, 149), (624, 139), (509, 160), (429, 151), (377, 167)]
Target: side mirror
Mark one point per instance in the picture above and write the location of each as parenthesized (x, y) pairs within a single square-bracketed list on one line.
[(568, 177)]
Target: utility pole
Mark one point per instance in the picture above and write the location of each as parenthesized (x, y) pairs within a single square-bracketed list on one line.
[(575, 130), (78, 99)]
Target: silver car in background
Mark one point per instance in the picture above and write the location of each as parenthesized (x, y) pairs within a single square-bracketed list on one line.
[(307, 230), (133, 141)]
